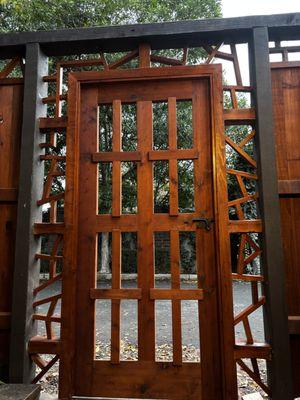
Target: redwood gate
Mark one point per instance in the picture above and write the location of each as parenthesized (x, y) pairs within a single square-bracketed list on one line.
[(53, 118), (177, 379)]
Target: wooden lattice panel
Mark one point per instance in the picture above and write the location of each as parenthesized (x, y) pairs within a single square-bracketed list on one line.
[(249, 249)]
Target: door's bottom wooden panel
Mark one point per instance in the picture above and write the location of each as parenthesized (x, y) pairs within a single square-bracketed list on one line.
[(144, 380)]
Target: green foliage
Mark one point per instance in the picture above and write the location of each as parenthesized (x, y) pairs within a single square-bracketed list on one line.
[(20, 15)]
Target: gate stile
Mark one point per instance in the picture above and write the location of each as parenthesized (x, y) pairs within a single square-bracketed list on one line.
[(249, 349)]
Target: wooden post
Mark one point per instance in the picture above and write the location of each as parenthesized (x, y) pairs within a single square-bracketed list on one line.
[(26, 273), (276, 322)]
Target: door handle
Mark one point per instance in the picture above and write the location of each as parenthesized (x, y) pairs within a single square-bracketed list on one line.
[(204, 221)]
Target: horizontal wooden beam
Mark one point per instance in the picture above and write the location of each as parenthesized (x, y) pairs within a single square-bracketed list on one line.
[(245, 226), (5, 320), (41, 345), (157, 35), (289, 187), (180, 154), (285, 64), (110, 156), (48, 124), (8, 194), (294, 324), (255, 350), (115, 294), (241, 116), (11, 81), (44, 228), (176, 294)]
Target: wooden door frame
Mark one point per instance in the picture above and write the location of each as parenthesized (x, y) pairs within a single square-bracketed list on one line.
[(68, 332)]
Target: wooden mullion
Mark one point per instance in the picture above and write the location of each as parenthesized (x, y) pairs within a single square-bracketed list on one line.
[(144, 53), (115, 304), (206, 260), (26, 274), (176, 304), (173, 170), (9, 67), (58, 93), (247, 138), (275, 315), (146, 307), (252, 375), (241, 152), (233, 98), (123, 60), (236, 65), (242, 185), (248, 331), (116, 144)]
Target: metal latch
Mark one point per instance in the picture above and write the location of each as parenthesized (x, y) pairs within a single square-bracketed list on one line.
[(204, 221)]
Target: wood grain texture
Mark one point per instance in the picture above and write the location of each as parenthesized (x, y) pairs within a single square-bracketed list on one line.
[(203, 87), (286, 105), (158, 35)]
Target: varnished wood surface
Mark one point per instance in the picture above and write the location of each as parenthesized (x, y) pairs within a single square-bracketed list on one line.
[(96, 377), (11, 97), (286, 104), (158, 35)]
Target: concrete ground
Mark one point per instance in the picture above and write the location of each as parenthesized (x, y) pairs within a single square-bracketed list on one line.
[(190, 332)]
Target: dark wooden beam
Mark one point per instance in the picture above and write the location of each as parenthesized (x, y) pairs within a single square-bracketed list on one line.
[(158, 35), (276, 322), (26, 273)]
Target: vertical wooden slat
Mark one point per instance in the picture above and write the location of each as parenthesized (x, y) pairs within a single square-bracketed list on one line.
[(69, 273), (58, 92), (176, 304), (205, 243), (11, 99), (144, 55), (224, 272), (115, 304), (276, 325), (146, 325), (236, 65), (173, 170), (26, 272), (116, 145), (87, 239)]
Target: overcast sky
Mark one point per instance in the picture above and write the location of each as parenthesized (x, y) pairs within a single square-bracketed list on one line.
[(237, 8)]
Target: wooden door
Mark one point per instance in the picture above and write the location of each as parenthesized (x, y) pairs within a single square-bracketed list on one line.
[(88, 217)]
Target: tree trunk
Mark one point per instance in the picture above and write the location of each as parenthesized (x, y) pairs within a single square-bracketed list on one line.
[(104, 267)]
